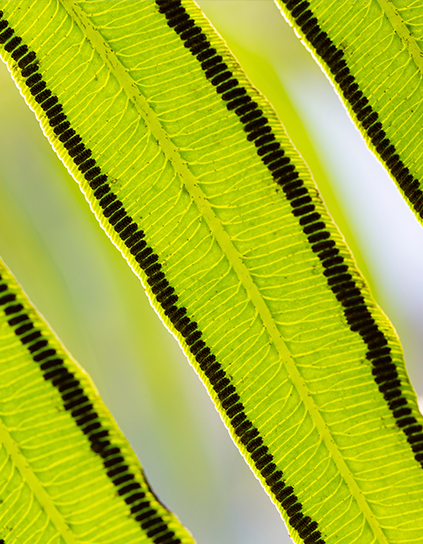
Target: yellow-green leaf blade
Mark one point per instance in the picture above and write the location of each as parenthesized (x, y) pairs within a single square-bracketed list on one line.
[(194, 179), (371, 51), (67, 473)]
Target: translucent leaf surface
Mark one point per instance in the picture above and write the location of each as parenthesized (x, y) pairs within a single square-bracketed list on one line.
[(192, 176), (67, 473), (372, 52)]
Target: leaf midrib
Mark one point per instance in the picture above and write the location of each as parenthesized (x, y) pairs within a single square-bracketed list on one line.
[(37, 488), (221, 236), (400, 28)]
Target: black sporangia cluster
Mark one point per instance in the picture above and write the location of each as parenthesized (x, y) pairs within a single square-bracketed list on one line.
[(53, 367), (334, 58), (339, 279), (258, 131), (347, 292), (133, 237), (81, 408)]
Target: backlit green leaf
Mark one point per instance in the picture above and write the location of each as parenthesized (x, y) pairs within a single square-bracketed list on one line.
[(67, 473), (371, 50), (192, 176)]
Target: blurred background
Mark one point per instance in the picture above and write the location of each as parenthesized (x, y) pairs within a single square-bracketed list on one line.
[(78, 280)]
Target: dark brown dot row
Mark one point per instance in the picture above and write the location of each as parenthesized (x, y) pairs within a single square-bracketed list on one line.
[(53, 368), (357, 315), (257, 131), (283, 173), (134, 239), (334, 59), (256, 126), (86, 417), (339, 279)]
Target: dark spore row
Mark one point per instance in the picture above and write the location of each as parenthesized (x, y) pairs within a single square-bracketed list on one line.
[(86, 417), (134, 239), (52, 366), (339, 279), (334, 59), (258, 131), (357, 315)]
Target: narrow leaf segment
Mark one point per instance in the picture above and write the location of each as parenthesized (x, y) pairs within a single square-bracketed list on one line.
[(193, 178), (371, 51), (67, 473)]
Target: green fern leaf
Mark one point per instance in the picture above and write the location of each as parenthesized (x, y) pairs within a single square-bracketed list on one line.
[(192, 176), (67, 473), (371, 51)]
